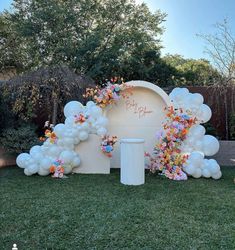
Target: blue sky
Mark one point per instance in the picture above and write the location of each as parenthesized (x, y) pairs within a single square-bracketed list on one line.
[(185, 19)]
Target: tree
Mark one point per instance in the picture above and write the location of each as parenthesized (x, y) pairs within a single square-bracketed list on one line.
[(220, 47), (93, 37), (41, 95), (10, 53), (193, 72)]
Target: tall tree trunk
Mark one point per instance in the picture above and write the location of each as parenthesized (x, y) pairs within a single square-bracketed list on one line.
[(55, 108)]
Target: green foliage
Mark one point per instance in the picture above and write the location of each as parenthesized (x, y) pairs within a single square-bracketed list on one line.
[(20, 139), (210, 130), (100, 39), (98, 212), (11, 49), (232, 126), (193, 72), (93, 37)]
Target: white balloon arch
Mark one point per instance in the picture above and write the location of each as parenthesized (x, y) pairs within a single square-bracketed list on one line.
[(70, 133)]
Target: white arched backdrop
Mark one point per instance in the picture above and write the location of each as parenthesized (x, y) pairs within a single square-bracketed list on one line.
[(139, 116)]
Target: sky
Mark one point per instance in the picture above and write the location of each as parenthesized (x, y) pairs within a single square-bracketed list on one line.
[(185, 19)]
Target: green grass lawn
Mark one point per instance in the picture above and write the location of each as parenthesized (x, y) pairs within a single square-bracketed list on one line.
[(97, 212)]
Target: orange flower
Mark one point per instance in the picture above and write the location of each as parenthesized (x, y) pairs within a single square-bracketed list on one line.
[(184, 131), (53, 136), (42, 138), (52, 169)]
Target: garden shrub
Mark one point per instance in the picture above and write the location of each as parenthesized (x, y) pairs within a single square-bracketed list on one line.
[(210, 130), (20, 139)]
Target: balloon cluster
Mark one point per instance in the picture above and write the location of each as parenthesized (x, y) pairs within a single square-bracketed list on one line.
[(197, 145), (60, 143)]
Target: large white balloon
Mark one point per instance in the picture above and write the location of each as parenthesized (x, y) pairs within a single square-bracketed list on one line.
[(72, 108), (22, 159), (210, 145), (204, 114)]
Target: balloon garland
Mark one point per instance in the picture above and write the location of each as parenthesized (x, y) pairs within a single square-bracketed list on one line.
[(182, 145), (179, 152), (57, 154)]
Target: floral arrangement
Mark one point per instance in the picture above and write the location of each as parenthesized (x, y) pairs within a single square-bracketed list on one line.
[(110, 94), (107, 144), (57, 169), (167, 154), (81, 118), (49, 133)]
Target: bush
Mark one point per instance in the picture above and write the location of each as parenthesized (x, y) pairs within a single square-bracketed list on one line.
[(18, 140), (210, 130)]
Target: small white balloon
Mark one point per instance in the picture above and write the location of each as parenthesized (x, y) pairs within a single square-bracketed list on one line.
[(83, 135), (43, 172), (90, 104), (35, 150), (67, 169), (27, 172), (196, 159), (76, 161), (101, 131), (33, 169), (95, 111), (206, 173), (45, 164), (67, 156), (217, 175), (101, 122), (213, 166), (197, 173), (189, 169), (59, 130), (69, 121)]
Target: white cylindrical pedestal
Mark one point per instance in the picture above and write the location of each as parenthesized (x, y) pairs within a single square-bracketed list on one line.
[(132, 161)]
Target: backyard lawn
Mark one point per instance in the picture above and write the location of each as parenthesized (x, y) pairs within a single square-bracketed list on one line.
[(97, 212)]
